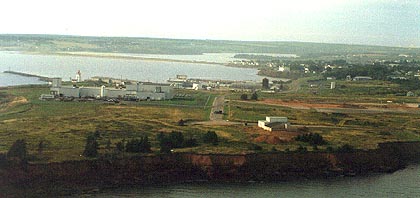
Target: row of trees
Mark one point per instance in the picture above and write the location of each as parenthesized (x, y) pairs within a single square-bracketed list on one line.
[(254, 96), (314, 139), (167, 142), (175, 139)]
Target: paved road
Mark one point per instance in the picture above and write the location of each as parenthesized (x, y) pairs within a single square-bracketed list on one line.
[(218, 105), (215, 118)]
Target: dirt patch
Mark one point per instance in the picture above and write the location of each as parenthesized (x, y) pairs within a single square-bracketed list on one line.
[(269, 139), (276, 137), (296, 104), (12, 101), (17, 100), (299, 104)]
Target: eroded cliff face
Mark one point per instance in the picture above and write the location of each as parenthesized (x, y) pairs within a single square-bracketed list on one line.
[(189, 167)]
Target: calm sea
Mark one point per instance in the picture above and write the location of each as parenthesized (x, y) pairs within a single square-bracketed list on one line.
[(403, 183), (142, 70)]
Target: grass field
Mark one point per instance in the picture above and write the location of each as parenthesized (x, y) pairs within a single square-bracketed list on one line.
[(65, 125)]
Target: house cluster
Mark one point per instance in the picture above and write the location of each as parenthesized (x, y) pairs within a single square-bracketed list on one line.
[(183, 82), (245, 63), (137, 91)]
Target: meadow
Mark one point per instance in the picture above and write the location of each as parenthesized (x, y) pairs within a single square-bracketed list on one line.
[(347, 115)]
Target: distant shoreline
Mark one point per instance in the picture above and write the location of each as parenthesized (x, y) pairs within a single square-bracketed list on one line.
[(120, 56), (135, 57)]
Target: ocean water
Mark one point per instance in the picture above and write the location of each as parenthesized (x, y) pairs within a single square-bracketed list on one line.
[(13, 80), (403, 183), (142, 70)]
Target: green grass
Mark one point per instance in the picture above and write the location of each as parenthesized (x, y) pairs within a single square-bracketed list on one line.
[(64, 125)]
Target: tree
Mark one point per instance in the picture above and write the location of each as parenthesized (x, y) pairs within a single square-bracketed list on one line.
[(18, 150), (265, 83), (313, 139), (165, 145), (190, 142), (346, 148), (41, 146), (244, 97), (141, 145), (108, 144), (211, 138), (120, 146), (160, 136), (177, 138), (254, 96), (302, 149), (91, 147), (254, 147)]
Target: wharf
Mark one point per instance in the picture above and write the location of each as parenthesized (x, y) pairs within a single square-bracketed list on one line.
[(41, 78)]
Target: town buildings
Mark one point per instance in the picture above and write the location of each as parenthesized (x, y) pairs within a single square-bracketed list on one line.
[(137, 91)]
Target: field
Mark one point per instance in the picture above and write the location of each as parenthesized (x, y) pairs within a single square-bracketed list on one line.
[(65, 125), (350, 114)]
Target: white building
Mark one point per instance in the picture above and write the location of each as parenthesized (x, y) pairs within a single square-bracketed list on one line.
[(284, 69), (141, 91), (273, 123), (362, 78)]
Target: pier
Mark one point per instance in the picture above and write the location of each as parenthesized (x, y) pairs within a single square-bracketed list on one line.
[(41, 78)]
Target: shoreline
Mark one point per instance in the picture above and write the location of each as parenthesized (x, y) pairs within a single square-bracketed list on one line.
[(119, 56), (135, 57), (110, 172)]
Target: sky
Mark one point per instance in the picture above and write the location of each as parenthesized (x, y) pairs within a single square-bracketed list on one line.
[(372, 22)]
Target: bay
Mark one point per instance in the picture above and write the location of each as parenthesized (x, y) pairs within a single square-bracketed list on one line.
[(134, 69), (402, 183)]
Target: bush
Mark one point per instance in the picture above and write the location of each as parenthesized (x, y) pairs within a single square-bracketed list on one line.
[(254, 96), (141, 145), (120, 146), (174, 140), (244, 97), (254, 147), (330, 149), (302, 149), (346, 148), (18, 150), (211, 138), (165, 145), (91, 147), (314, 139), (191, 142)]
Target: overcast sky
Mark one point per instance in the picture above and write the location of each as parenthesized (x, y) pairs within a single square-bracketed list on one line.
[(376, 22)]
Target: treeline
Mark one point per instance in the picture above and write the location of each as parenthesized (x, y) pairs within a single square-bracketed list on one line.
[(175, 139), (377, 72), (167, 142)]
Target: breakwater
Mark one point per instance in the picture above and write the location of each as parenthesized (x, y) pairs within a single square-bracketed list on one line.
[(41, 78)]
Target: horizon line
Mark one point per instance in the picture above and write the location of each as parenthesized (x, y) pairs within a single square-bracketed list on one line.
[(204, 39)]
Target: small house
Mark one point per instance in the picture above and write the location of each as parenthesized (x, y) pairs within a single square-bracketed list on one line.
[(362, 78), (273, 123)]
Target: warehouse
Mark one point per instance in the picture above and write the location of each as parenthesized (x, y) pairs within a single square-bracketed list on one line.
[(140, 90)]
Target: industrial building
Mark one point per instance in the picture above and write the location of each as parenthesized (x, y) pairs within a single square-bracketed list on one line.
[(139, 90), (273, 123)]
